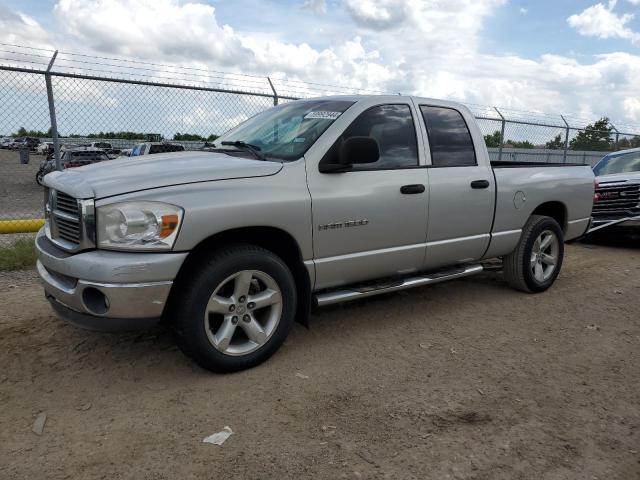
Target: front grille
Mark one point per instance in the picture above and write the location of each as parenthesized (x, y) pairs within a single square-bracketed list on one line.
[(617, 200), (70, 221), (66, 203)]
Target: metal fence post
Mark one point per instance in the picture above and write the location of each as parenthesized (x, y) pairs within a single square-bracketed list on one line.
[(566, 140), (52, 111), (501, 133), (275, 94), (615, 145)]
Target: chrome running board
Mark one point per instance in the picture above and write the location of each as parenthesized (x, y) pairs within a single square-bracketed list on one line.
[(612, 223), (356, 293)]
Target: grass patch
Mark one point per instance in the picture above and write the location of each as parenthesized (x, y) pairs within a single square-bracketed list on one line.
[(22, 254)]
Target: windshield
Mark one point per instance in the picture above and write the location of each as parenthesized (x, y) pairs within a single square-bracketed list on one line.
[(611, 164), (287, 131)]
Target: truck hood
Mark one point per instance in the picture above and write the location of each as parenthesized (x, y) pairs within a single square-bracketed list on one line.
[(632, 177), (124, 175)]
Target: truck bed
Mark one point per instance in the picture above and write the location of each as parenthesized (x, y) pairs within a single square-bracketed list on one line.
[(510, 164)]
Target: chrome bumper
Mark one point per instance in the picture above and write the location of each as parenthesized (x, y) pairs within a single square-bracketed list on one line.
[(106, 290), (600, 223)]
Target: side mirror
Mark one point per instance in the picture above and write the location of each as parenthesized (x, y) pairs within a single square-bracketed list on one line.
[(352, 151), (358, 150)]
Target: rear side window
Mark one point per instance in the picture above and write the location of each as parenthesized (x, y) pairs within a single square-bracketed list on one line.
[(392, 126), (449, 138)]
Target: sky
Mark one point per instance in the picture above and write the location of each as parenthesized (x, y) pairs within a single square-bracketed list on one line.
[(576, 57)]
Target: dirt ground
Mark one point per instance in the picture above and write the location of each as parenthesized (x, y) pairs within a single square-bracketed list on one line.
[(464, 380)]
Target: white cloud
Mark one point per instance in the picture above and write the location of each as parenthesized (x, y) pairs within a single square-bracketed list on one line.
[(18, 28), (378, 14), (315, 6), (408, 46), (168, 28), (632, 108), (602, 22), (524, 11)]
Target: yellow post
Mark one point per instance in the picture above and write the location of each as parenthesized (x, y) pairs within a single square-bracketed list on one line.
[(21, 226)]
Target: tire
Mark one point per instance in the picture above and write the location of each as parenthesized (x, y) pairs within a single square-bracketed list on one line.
[(529, 268), (39, 177), (214, 318)]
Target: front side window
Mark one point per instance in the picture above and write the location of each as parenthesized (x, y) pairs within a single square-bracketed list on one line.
[(449, 137), (287, 131), (393, 128), (612, 164)]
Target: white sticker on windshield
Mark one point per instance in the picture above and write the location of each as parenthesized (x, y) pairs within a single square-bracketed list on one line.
[(322, 114)]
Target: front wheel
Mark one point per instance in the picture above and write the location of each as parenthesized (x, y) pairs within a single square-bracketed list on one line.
[(236, 309), (39, 177), (535, 263)]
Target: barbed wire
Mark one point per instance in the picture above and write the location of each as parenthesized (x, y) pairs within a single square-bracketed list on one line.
[(184, 75)]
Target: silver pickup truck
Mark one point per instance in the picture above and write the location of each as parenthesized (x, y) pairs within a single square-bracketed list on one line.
[(307, 204)]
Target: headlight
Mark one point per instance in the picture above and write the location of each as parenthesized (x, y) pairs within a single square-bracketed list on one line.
[(138, 226)]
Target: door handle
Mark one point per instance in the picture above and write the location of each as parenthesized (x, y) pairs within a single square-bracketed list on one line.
[(478, 184), (412, 189)]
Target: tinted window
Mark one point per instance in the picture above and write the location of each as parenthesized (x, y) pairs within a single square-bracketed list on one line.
[(164, 148), (449, 138), (625, 163), (393, 128)]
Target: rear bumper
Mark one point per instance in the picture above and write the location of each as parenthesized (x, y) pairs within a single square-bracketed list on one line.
[(104, 290)]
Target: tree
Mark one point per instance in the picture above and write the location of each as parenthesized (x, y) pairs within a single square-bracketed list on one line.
[(521, 144), (556, 143), (625, 142), (188, 137), (595, 137), (492, 140)]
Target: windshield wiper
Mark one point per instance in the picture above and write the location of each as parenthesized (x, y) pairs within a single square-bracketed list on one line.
[(254, 149)]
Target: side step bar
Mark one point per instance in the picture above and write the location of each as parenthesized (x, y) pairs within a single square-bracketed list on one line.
[(612, 223), (356, 293)]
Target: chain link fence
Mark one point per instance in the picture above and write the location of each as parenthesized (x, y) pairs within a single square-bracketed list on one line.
[(114, 104)]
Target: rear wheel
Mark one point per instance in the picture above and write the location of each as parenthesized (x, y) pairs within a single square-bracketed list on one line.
[(39, 177), (536, 262), (236, 310)]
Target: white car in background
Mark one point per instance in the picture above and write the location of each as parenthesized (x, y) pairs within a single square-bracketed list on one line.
[(45, 148)]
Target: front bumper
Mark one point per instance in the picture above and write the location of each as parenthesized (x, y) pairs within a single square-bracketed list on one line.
[(105, 290)]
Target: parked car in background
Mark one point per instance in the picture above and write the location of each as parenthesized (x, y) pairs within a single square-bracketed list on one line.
[(150, 148), (71, 158), (107, 147), (5, 142), (45, 148), (25, 142), (617, 193), (125, 152), (310, 203)]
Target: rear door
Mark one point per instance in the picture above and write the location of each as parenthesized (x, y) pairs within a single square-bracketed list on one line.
[(462, 188)]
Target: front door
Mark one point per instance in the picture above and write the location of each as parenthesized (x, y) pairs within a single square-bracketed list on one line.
[(371, 222)]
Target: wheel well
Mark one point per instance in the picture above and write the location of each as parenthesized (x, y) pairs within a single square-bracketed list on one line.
[(273, 239), (555, 210)]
